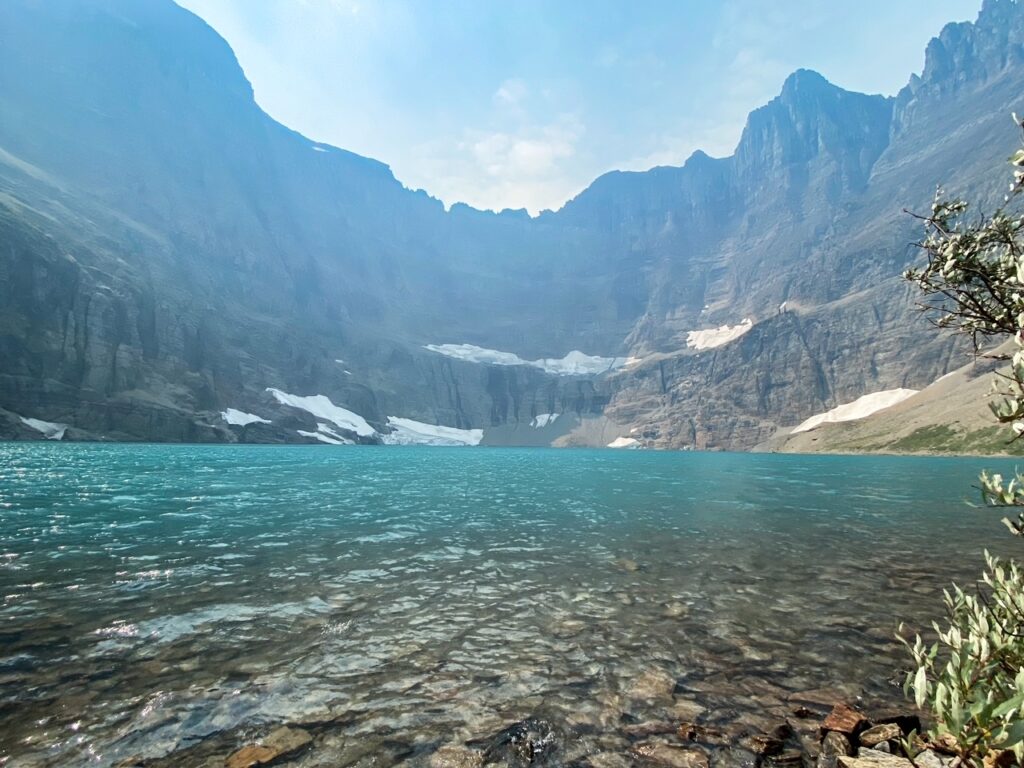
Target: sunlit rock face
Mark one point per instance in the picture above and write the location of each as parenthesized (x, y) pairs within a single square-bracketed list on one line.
[(172, 252)]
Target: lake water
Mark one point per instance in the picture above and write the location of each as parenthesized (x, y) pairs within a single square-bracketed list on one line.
[(178, 600)]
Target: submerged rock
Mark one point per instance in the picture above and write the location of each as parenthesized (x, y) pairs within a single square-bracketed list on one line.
[(817, 698), (674, 757), (787, 758), (456, 757), (529, 742), (763, 744), (687, 709), (703, 734), (643, 730), (280, 743), (652, 685), (676, 610)]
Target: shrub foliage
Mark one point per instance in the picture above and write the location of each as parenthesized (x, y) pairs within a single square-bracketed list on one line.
[(971, 677)]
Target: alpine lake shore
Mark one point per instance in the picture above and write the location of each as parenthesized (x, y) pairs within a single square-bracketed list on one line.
[(809, 729)]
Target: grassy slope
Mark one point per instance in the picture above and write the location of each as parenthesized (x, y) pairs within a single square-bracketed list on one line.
[(951, 416)]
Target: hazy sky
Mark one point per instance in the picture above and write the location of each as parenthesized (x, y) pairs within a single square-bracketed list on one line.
[(523, 103)]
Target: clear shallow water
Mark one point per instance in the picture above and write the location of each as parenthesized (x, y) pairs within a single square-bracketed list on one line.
[(154, 596)]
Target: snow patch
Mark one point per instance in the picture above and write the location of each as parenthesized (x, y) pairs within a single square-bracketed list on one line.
[(716, 337), (325, 429), (411, 432), (575, 363), (858, 409), (322, 407), (49, 429), (318, 436), (475, 354), (325, 437), (319, 149), (239, 418), (544, 419), (624, 442)]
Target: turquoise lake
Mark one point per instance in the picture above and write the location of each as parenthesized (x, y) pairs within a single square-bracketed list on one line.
[(397, 600)]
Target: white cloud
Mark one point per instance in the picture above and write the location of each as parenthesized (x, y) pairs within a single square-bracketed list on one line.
[(531, 153), (511, 92), (509, 163)]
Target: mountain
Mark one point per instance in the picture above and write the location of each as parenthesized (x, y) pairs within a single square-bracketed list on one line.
[(171, 252)]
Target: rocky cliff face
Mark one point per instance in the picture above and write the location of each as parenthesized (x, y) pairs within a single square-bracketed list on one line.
[(169, 251)]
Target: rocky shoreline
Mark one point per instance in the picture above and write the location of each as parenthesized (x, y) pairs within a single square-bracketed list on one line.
[(813, 733)]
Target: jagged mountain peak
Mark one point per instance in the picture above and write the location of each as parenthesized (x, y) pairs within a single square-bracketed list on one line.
[(806, 82), (1000, 12), (964, 55), (811, 118)]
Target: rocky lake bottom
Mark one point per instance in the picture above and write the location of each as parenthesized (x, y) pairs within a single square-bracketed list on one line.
[(169, 605)]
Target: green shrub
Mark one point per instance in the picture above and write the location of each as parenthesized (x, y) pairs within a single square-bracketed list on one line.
[(972, 677)]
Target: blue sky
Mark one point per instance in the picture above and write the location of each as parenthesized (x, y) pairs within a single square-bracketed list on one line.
[(522, 104)]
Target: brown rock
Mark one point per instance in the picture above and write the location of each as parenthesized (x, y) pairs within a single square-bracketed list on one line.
[(835, 744), (789, 757), (279, 743), (456, 757), (870, 758), (810, 746), (880, 733), (686, 709), (1000, 759), (250, 756), (929, 759), (845, 719), (945, 743), (652, 684), (673, 757), (818, 698), (906, 721), (609, 760), (809, 727), (763, 744), (734, 757), (702, 733), (643, 730)]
